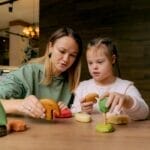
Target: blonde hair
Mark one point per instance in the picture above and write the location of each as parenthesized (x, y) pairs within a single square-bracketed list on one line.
[(74, 71), (111, 49)]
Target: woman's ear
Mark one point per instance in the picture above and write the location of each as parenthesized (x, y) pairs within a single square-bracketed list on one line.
[(114, 59), (50, 47)]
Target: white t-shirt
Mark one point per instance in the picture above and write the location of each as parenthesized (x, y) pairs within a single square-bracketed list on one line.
[(139, 110)]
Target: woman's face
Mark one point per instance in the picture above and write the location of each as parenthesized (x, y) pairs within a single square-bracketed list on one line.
[(100, 65), (63, 54)]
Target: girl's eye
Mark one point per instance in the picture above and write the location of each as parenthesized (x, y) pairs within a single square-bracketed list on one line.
[(90, 63), (100, 61)]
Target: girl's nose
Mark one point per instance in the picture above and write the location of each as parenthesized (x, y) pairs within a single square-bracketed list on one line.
[(94, 66)]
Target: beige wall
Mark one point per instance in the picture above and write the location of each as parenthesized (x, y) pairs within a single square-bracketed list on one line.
[(16, 45)]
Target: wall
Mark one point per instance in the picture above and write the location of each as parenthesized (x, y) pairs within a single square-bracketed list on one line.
[(125, 21), (17, 44)]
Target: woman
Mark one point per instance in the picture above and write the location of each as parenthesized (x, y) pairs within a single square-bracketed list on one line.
[(55, 75)]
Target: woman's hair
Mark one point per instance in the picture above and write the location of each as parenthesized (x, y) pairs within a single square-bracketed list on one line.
[(74, 71), (112, 50)]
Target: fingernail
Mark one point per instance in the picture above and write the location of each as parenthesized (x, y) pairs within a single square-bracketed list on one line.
[(42, 116)]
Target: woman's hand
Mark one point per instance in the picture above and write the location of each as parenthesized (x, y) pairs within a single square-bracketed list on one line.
[(31, 106), (117, 99), (61, 105), (87, 106)]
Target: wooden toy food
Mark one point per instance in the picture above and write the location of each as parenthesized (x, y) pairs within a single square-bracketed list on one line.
[(102, 105), (64, 113), (10, 126), (51, 108), (16, 126), (3, 121), (91, 97), (105, 128), (83, 117), (117, 119)]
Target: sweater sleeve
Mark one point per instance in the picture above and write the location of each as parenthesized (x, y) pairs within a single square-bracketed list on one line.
[(11, 87), (140, 109), (17, 83)]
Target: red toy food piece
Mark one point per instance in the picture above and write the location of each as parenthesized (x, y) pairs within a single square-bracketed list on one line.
[(64, 113)]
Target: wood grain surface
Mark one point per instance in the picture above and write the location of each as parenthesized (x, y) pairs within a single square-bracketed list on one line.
[(68, 134)]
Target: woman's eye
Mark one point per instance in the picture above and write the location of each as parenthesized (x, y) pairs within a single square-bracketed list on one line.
[(62, 51), (73, 55)]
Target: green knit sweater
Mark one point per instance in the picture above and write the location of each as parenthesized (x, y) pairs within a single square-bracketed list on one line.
[(26, 81)]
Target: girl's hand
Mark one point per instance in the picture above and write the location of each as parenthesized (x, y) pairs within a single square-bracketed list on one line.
[(87, 106), (119, 100), (31, 106)]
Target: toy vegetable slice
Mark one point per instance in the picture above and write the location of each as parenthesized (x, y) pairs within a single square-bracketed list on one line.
[(105, 128), (102, 105)]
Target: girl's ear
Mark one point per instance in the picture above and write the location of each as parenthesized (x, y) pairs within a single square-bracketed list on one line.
[(114, 59)]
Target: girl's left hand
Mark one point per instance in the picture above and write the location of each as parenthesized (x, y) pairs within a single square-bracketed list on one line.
[(86, 106), (117, 99)]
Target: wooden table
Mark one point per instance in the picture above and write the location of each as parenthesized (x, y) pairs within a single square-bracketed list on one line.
[(68, 134)]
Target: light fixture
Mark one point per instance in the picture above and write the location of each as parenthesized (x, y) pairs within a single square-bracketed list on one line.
[(32, 31)]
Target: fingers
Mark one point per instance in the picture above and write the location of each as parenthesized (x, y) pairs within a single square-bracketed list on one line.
[(106, 94), (87, 106), (32, 107), (115, 99)]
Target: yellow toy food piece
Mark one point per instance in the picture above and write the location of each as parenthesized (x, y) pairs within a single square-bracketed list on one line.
[(91, 97), (105, 128), (51, 108), (83, 117), (118, 119)]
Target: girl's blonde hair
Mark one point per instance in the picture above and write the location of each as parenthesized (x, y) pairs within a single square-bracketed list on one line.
[(111, 47), (74, 71)]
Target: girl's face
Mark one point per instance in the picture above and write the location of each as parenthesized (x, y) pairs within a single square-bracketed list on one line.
[(63, 54), (100, 65)]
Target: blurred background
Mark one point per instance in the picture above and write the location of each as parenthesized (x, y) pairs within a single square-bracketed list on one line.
[(25, 26)]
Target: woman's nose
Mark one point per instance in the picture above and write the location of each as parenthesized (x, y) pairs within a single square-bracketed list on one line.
[(65, 57)]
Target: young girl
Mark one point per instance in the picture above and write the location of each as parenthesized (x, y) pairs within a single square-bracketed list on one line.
[(55, 75), (123, 96)]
